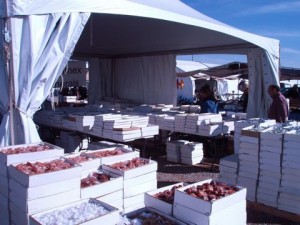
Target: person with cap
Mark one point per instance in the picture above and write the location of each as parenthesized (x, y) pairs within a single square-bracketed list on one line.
[(279, 107)]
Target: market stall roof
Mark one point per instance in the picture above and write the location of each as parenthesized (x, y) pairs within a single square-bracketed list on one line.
[(240, 70), (134, 27)]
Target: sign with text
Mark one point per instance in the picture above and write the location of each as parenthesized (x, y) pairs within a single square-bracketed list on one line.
[(73, 75)]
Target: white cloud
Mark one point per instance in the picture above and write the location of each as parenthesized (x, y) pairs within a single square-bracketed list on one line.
[(290, 51), (273, 8)]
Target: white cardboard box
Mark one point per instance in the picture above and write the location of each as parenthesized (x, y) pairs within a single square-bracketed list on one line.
[(234, 214), (54, 151), (89, 165), (49, 202), (30, 193), (132, 182), (44, 178), (134, 172), (133, 200), (207, 207), (139, 189), (159, 205), (113, 185), (112, 217)]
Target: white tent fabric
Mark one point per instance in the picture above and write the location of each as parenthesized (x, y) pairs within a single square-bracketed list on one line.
[(40, 54), (156, 73), (259, 80), (100, 84), (116, 29)]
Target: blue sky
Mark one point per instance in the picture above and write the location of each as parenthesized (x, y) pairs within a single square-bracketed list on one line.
[(279, 19)]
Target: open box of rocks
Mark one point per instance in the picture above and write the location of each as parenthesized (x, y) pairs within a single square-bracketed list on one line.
[(205, 202), (85, 212), (100, 183), (162, 199)]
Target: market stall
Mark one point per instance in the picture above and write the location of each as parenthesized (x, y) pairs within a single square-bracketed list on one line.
[(46, 33)]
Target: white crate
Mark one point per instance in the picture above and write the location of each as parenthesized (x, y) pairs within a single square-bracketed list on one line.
[(3, 170), (54, 151), (132, 182), (30, 193), (112, 217), (207, 207), (141, 188), (230, 161), (44, 178), (127, 155), (49, 202), (134, 172), (159, 205), (233, 214), (114, 199), (133, 200), (101, 189), (86, 166)]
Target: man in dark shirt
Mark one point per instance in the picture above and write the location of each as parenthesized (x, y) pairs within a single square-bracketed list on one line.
[(279, 107)]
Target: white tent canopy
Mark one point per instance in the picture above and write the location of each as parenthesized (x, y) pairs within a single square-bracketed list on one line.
[(46, 32)]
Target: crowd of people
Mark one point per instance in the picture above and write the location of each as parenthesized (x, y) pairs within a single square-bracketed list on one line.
[(278, 110)]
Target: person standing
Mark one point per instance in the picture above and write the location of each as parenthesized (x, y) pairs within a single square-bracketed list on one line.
[(208, 102), (279, 107)]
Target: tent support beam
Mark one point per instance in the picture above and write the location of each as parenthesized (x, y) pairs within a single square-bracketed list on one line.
[(226, 49)]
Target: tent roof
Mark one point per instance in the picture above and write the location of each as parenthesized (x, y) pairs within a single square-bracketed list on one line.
[(240, 70), (134, 27)]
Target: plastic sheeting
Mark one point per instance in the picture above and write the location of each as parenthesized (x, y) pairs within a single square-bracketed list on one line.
[(148, 79), (41, 47)]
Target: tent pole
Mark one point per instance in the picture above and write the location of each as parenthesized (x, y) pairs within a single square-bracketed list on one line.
[(10, 76)]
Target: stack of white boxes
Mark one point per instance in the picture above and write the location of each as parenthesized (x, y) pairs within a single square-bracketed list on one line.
[(249, 161), (191, 153), (180, 122), (136, 182), (160, 120), (191, 123), (229, 167), (110, 124), (139, 121), (173, 150), (270, 166), (211, 129), (289, 195), (126, 134), (240, 124), (226, 210), (71, 141), (149, 131), (84, 121), (97, 129), (6, 160), (168, 123)]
